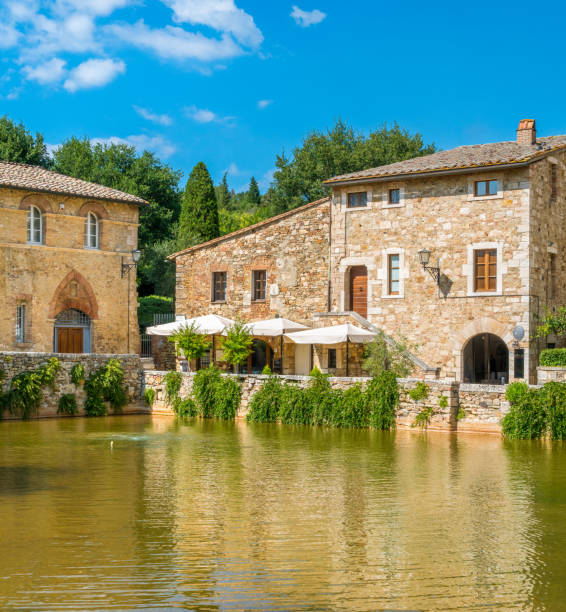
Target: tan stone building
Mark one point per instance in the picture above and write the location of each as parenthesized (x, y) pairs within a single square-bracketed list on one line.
[(489, 219), (63, 243)]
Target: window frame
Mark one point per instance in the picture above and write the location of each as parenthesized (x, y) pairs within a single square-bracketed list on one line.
[(333, 352), (21, 324), (487, 182), (390, 269), (262, 289), (392, 202), (350, 206), (213, 295), (31, 228), (487, 275), (88, 233)]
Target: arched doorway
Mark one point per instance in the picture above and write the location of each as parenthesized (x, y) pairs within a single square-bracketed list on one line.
[(72, 332), (486, 360), (359, 290)]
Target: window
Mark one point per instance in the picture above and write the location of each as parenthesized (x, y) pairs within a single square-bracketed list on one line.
[(485, 270), (91, 233), (21, 323), (358, 199), (219, 286), (394, 196), (35, 222), (204, 361), (551, 277), (393, 274), (486, 188), (259, 282), (553, 181), (331, 359)]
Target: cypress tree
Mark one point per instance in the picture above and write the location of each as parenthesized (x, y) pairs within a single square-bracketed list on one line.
[(198, 221), (254, 197), (224, 196)]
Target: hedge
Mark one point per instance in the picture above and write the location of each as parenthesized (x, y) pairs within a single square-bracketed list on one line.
[(553, 357)]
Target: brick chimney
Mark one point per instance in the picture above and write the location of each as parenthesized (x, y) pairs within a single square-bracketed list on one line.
[(526, 132)]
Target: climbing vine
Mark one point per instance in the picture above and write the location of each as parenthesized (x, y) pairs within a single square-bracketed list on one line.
[(78, 374), (68, 404), (105, 385)]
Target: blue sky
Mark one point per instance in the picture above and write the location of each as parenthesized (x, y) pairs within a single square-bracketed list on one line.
[(234, 82)]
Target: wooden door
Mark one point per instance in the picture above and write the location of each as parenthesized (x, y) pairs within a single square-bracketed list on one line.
[(359, 290), (70, 340)]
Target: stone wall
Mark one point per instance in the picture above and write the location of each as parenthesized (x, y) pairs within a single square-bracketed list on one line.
[(469, 408), (61, 273), (12, 363), (550, 374)]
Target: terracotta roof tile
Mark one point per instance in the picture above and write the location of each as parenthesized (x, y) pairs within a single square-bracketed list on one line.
[(36, 178), (460, 158)]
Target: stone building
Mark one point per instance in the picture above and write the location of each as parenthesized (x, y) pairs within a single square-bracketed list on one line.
[(63, 243), (487, 220)]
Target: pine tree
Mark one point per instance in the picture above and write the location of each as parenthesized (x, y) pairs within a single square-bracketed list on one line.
[(199, 211), (254, 197), (223, 193)]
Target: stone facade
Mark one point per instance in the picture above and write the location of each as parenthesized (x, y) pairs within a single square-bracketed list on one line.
[(12, 363), (60, 273)]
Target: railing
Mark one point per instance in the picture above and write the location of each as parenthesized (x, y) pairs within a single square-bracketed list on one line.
[(146, 345), (163, 317)]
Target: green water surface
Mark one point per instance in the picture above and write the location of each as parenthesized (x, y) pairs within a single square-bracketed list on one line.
[(131, 512)]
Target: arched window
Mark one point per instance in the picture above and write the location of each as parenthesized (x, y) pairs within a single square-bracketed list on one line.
[(35, 223), (91, 232)]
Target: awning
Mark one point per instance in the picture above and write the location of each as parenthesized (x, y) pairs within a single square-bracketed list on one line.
[(208, 325), (335, 334), (274, 327)]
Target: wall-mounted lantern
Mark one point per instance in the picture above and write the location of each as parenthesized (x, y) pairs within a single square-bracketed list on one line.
[(434, 271), (126, 267)]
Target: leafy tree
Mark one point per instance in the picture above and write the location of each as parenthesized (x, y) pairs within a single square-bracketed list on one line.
[(339, 150), (120, 167), (383, 356), (190, 343), (199, 211), (233, 220), (237, 344), (18, 145), (254, 197)]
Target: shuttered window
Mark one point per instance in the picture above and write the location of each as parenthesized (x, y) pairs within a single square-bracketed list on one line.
[(393, 274), (259, 281), (485, 270), (219, 286), (358, 200)]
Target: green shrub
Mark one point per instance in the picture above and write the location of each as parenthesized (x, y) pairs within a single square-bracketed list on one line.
[(461, 413), (226, 398), (105, 385), (265, 403), (553, 357), (319, 401), (516, 391), (352, 407), (443, 401), (526, 418), (422, 419), (420, 392), (149, 396), (172, 383), (186, 408), (266, 370), (383, 398), (205, 383), (78, 374), (553, 398), (67, 404), (150, 305), (294, 408)]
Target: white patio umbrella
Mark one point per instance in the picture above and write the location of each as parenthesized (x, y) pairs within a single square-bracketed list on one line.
[(335, 334), (275, 327), (207, 325)]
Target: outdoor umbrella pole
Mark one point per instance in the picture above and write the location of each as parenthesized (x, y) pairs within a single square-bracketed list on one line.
[(281, 355), (347, 358), (213, 350)]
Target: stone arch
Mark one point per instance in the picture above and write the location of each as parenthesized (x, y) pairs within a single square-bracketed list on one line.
[(74, 292), (35, 199), (96, 207)]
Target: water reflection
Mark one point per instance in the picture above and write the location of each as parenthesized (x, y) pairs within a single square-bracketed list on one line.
[(123, 513)]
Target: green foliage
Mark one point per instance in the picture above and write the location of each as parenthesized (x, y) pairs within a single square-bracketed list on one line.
[(553, 357), (234, 220), (172, 383), (553, 323), (18, 145), (380, 356), (254, 197), (105, 385), (422, 419), (78, 374), (223, 194), (315, 372), (339, 150), (68, 404), (205, 383), (189, 342), (199, 210), (461, 413), (120, 167), (186, 407), (516, 391), (443, 402), (319, 404), (226, 398), (553, 398), (420, 392), (25, 393), (153, 304), (149, 396), (266, 370), (237, 344), (526, 418)]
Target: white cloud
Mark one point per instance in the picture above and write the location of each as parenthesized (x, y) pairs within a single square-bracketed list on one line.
[(203, 115), (92, 7), (142, 142), (264, 103), (8, 36), (221, 15), (50, 72), (233, 170), (147, 114), (94, 73), (175, 43), (307, 18)]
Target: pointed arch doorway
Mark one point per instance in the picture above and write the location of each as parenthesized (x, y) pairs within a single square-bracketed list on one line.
[(72, 332)]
